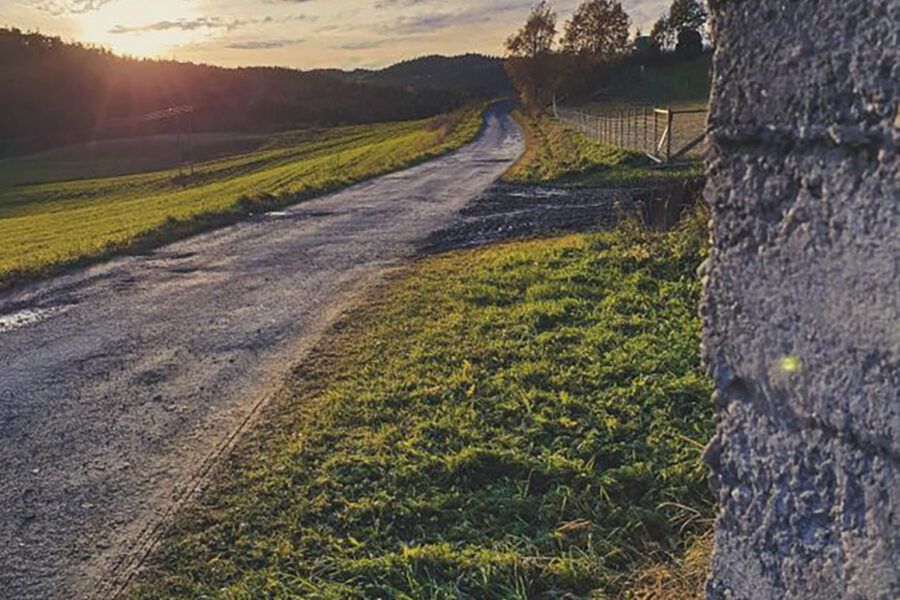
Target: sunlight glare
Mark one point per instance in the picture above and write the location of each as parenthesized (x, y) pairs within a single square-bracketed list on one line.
[(134, 20)]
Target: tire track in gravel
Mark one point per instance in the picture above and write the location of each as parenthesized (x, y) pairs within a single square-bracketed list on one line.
[(122, 383)]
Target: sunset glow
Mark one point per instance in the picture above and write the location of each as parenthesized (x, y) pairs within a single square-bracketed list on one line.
[(143, 29), (309, 34)]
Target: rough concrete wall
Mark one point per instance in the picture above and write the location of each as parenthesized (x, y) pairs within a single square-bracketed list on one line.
[(802, 305)]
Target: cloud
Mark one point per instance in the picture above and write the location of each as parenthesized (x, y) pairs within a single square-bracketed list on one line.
[(645, 12), (366, 45), (428, 23), (205, 23), (345, 32), (184, 25), (263, 44), (402, 3), (63, 7)]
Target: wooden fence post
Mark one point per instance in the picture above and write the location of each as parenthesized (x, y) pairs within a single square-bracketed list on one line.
[(655, 132), (669, 121)]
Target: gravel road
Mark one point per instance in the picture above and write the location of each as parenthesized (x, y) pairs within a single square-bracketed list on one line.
[(121, 384)]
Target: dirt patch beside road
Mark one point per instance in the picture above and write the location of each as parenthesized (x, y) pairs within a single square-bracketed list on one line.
[(507, 211)]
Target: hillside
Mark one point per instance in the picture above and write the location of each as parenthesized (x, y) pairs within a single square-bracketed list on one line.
[(473, 73), (56, 92)]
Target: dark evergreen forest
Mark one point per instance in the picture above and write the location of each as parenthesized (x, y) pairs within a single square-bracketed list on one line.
[(53, 92)]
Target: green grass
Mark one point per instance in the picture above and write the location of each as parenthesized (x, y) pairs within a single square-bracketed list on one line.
[(116, 157), (46, 227), (505, 423), (558, 154)]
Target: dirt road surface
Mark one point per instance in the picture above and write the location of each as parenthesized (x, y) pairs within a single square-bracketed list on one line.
[(121, 384)]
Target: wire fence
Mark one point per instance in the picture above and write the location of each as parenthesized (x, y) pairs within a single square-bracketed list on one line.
[(664, 134)]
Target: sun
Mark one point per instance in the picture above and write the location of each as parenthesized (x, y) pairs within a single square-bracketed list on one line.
[(143, 28)]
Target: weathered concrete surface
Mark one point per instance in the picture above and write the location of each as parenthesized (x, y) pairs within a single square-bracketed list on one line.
[(802, 309), (120, 384)]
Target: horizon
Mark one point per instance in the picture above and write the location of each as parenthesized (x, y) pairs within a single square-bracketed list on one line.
[(298, 34)]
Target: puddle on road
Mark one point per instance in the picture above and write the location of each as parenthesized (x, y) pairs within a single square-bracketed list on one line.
[(26, 317), (537, 193), (298, 215)]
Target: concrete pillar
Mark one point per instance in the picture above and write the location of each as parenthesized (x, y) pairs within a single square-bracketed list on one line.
[(802, 299)]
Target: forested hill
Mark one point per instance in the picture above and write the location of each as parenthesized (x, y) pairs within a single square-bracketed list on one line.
[(470, 73), (56, 92)]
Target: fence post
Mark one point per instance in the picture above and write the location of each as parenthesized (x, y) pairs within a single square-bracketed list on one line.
[(628, 125), (621, 127), (632, 128), (669, 121), (655, 133), (644, 137)]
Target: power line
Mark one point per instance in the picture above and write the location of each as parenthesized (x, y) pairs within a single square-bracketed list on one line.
[(176, 112)]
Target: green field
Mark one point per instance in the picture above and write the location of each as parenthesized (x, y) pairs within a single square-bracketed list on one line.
[(561, 155), (515, 422), (47, 225), (129, 156)]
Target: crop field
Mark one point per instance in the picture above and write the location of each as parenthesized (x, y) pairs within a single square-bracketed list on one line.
[(514, 422), (561, 155), (129, 156), (47, 225)]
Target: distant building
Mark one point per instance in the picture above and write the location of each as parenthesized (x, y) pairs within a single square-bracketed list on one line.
[(643, 44)]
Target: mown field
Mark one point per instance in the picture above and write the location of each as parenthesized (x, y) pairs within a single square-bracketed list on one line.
[(129, 156), (561, 155), (47, 225), (522, 421)]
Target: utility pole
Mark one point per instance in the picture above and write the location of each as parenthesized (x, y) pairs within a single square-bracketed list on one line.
[(176, 113)]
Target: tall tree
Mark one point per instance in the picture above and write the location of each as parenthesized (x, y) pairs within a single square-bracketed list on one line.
[(531, 63), (683, 15), (687, 14), (661, 34), (537, 36), (598, 27)]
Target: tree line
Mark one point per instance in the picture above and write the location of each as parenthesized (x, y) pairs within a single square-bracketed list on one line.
[(596, 39), (56, 92)]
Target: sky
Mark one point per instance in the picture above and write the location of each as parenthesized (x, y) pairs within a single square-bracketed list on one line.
[(304, 34)]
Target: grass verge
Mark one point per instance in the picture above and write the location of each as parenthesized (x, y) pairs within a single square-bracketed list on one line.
[(561, 155), (47, 227), (519, 421)]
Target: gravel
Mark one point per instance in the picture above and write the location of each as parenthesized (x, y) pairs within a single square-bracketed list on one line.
[(121, 384)]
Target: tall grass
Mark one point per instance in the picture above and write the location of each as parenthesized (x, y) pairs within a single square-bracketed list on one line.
[(520, 421)]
